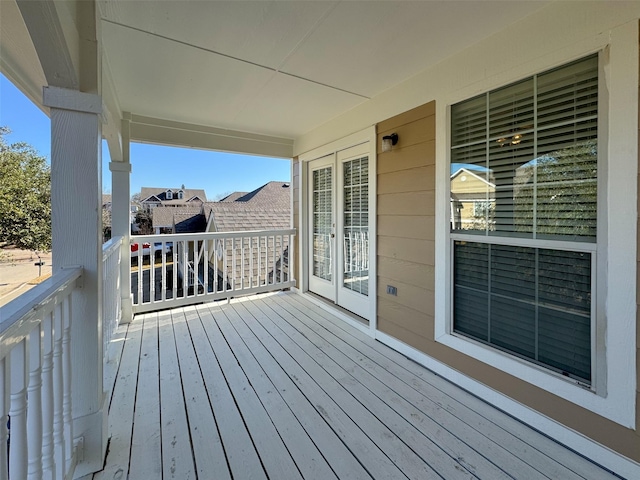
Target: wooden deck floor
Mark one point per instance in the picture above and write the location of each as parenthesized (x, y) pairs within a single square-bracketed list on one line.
[(275, 387)]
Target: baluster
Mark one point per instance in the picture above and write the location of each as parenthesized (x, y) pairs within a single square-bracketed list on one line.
[(185, 269), (258, 268), (163, 274), (5, 387), (224, 264), (58, 427), (152, 272), (288, 259), (234, 267), (273, 260), (140, 273), (205, 266), (118, 288), (18, 412), (66, 378), (242, 268), (106, 290), (266, 260), (48, 465), (34, 412)]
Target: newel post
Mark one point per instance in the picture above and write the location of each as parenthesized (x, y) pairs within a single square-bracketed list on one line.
[(76, 191)]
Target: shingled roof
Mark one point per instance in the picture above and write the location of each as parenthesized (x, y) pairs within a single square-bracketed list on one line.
[(265, 208), (232, 197), (189, 223), (237, 217), (163, 217), (269, 195)]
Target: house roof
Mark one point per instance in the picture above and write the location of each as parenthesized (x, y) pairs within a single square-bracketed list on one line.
[(467, 171), (270, 195), (163, 217), (232, 197), (189, 223), (268, 207), (159, 192), (238, 217)]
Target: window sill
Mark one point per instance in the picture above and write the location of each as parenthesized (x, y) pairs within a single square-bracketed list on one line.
[(547, 380)]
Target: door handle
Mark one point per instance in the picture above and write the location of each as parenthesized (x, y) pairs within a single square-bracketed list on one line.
[(333, 235)]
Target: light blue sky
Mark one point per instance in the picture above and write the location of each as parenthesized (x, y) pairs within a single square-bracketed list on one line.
[(151, 165)]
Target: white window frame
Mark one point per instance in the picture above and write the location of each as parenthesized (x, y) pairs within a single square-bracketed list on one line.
[(612, 394)]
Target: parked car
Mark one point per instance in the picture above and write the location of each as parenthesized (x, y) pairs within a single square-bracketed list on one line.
[(158, 248), (146, 249)]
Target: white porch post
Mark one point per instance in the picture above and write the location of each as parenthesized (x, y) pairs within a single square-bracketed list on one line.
[(121, 220), (76, 187)]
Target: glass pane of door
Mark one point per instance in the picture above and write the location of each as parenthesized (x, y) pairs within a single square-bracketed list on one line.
[(355, 239), (322, 223)]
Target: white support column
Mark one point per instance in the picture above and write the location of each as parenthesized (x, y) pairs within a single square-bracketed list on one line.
[(76, 187), (121, 217), (121, 226)]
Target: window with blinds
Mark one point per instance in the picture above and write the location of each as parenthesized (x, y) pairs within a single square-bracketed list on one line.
[(522, 266)]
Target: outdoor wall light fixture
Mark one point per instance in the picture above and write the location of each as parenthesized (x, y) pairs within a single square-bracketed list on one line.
[(389, 141)]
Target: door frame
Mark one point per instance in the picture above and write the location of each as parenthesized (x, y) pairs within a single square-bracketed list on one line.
[(361, 137), (324, 288)]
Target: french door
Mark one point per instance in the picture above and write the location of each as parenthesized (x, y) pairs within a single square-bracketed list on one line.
[(339, 247)]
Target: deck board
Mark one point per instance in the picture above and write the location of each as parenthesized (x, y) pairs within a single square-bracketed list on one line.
[(276, 387), (146, 457), (207, 446)]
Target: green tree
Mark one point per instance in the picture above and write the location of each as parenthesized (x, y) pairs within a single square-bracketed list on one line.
[(25, 196), (145, 222)]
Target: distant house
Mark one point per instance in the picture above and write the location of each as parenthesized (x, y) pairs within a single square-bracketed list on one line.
[(151, 197), (472, 200), (167, 218), (265, 208)]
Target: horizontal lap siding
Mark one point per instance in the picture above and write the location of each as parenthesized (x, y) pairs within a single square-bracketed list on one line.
[(406, 227)]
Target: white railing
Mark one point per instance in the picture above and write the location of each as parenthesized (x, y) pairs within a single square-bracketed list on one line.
[(36, 430), (111, 298), (188, 268)]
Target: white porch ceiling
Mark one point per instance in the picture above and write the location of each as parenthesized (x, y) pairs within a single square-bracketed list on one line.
[(280, 68)]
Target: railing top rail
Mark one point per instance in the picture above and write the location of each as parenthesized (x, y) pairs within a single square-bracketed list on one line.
[(109, 247), (18, 317), (174, 237)]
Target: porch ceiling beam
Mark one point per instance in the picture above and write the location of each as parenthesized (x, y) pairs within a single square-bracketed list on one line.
[(47, 23), (167, 132)]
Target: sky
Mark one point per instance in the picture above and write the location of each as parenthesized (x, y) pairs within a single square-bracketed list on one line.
[(151, 165)]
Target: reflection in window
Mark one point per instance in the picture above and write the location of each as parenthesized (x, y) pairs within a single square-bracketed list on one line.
[(356, 225)]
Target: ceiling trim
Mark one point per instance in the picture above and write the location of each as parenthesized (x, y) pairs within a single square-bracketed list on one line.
[(166, 132), (46, 29)]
